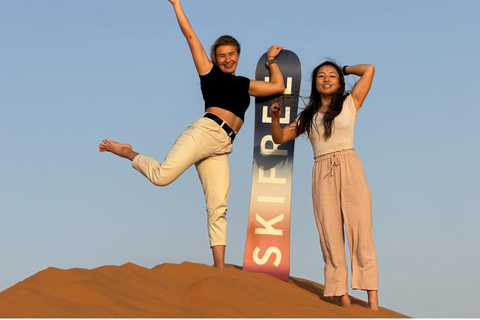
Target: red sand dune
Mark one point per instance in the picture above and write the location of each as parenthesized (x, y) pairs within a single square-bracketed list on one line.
[(186, 290)]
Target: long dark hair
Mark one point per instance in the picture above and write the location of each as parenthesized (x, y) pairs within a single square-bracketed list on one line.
[(305, 120)]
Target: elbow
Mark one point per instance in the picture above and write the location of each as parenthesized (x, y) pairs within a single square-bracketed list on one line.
[(371, 68), (277, 140), (280, 88)]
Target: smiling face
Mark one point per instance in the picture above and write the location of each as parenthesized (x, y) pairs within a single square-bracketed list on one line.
[(227, 58), (328, 80)]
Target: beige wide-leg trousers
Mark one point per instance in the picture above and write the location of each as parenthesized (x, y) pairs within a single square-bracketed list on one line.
[(207, 145), (341, 197)]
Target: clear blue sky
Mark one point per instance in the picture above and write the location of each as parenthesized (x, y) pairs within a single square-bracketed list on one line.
[(75, 72)]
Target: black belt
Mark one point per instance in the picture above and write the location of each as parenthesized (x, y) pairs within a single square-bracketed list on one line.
[(222, 124)]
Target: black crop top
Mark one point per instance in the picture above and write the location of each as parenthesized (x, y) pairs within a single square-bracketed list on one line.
[(226, 91)]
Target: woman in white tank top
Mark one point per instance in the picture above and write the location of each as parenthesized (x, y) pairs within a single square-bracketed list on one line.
[(341, 196)]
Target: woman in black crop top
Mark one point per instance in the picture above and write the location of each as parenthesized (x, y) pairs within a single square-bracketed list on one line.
[(208, 141)]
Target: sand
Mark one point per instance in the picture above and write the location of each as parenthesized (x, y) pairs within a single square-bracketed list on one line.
[(186, 290)]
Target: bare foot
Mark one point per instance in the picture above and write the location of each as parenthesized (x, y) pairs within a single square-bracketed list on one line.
[(123, 150), (344, 301), (373, 299)]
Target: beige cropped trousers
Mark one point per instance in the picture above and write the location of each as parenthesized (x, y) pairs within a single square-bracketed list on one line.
[(342, 199), (206, 145)]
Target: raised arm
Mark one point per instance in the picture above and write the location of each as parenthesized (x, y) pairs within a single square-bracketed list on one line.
[(200, 57), (276, 84), (280, 135), (361, 89)]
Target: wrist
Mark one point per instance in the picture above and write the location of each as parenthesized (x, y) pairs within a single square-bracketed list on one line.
[(344, 71), (270, 60)]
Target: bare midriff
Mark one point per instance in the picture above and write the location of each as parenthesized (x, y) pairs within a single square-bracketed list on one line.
[(230, 118)]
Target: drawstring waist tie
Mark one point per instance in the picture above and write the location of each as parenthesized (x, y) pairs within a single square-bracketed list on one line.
[(333, 158)]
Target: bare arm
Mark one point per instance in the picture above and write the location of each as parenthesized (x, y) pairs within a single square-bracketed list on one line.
[(276, 84), (366, 73), (280, 135), (200, 57)]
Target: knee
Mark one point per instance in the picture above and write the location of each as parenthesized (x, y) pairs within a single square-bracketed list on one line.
[(155, 172), (161, 182), (161, 178)]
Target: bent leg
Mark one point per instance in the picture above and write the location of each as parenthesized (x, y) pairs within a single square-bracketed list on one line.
[(188, 149)]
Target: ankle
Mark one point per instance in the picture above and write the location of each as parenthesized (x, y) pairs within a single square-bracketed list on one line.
[(344, 301), (372, 299)]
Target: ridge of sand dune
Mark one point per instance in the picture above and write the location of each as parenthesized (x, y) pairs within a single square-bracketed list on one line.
[(171, 290)]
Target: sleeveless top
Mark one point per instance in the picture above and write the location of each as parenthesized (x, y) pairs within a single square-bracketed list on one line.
[(226, 91), (342, 130)]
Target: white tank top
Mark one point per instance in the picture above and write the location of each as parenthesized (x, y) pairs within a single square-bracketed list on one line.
[(342, 130)]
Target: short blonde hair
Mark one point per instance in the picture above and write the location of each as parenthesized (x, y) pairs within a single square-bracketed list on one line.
[(224, 40)]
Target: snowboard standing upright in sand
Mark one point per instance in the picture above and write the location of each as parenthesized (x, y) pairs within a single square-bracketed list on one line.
[(267, 247)]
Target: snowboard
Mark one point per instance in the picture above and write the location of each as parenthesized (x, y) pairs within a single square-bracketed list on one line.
[(267, 246)]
